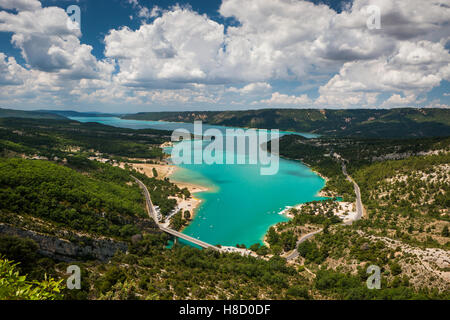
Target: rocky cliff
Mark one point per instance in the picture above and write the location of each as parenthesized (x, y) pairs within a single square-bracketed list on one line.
[(64, 250)]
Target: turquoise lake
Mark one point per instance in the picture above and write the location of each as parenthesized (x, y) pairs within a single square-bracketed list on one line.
[(241, 204)]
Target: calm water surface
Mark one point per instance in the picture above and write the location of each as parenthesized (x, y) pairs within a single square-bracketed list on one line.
[(241, 203)]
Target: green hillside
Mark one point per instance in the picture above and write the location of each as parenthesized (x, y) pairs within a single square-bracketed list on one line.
[(51, 138), (99, 199), (10, 113), (406, 122), (54, 211)]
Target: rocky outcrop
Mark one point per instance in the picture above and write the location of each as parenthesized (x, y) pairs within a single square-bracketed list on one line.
[(80, 248)]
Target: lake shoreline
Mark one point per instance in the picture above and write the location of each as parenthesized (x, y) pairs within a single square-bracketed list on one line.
[(311, 134), (321, 192), (250, 202), (166, 171), (194, 202), (200, 188)]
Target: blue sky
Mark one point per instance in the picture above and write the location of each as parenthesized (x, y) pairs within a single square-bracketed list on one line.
[(139, 55)]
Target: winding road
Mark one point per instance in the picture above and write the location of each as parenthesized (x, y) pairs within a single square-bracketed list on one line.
[(359, 212), (152, 214), (293, 255), (359, 205)]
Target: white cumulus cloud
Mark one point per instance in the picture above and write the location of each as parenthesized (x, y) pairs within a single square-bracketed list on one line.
[(179, 56), (284, 99), (180, 46), (20, 5)]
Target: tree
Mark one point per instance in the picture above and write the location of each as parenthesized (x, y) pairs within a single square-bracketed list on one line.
[(177, 222), (272, 236), (19, 249), (255, 247), (445, 232), (155, 173), (276, 249), (186, 193), (187, 215), (13, 286), (396, 269), (262, 251), (297, 292)]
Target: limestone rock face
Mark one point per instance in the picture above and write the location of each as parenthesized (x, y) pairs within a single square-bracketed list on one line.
[(64, 250)]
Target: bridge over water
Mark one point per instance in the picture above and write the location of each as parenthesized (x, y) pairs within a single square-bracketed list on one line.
[(152, 214)]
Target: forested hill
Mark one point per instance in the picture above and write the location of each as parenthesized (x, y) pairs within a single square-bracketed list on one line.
[(10, 113), (70, 113), (50, 138), (406, 122), (60, 203)]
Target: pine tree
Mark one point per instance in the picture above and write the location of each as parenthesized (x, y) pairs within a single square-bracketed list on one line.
[(445, 232)]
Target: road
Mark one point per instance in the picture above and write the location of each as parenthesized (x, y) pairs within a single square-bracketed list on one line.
[(150, 209), (359, 205), (294, 254), (152, 214), (359, 213)]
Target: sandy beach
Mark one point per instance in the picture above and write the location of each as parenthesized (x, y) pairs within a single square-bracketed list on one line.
[(345, 210), (192, 203), (193, 188), (165, 171)]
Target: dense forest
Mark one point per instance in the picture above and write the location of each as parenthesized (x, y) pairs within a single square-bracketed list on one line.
[(99, 204), (10, 113), (50, 138), (99, 199)]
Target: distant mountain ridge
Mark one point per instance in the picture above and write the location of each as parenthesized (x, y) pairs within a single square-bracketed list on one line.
[(10, 113), (404, 122), (71, 113), (371, 123)]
